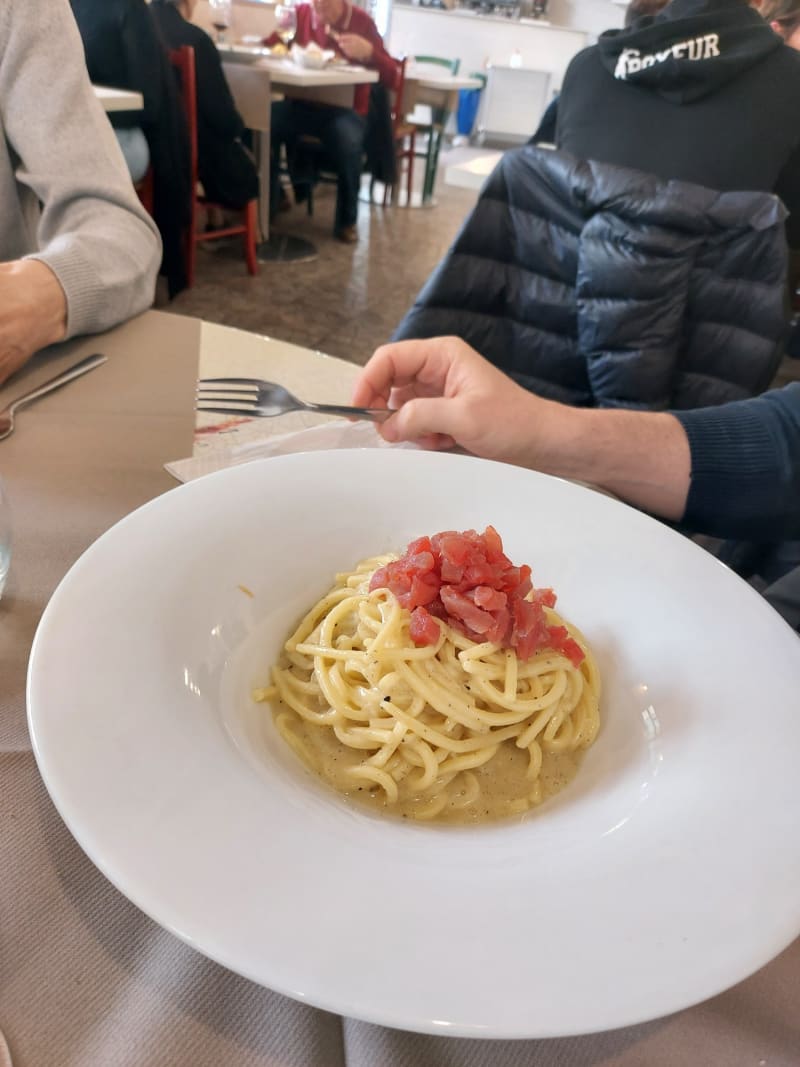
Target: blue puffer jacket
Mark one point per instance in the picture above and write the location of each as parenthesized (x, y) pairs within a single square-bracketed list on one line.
[(603, 286)]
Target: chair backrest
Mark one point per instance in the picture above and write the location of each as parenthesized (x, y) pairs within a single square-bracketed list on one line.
[(449, 64), (182, 60)]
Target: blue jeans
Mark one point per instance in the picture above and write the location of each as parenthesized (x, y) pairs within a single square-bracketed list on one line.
[(341, 132), (134, 148)]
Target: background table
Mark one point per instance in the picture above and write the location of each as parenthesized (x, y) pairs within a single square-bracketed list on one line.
[(87, 980), (118, 99), (256, 77), (334, 84), (437, 89)]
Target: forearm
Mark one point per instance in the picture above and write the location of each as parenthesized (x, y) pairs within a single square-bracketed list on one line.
[(641, 457)]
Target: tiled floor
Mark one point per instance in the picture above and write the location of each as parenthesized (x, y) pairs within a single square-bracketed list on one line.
[(348, 300)]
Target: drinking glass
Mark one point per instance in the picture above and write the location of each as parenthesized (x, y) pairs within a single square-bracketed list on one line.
[(286, 22), (5, 537), (220, 17)]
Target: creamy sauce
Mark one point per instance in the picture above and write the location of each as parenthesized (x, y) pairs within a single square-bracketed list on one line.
[(504, 786)]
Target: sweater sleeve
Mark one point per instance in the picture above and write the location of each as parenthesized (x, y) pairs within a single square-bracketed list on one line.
[(91, 229), (745, 479)]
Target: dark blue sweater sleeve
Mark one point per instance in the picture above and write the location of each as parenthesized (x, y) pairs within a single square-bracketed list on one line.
[(745, 480)]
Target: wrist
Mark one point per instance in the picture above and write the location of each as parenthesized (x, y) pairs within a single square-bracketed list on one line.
[(47, 303)]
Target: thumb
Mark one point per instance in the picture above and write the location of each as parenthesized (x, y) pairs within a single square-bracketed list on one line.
[(424, 417)]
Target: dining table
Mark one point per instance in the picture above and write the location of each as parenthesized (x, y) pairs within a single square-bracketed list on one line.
[(436, 88), (86, 978), (256, 77)]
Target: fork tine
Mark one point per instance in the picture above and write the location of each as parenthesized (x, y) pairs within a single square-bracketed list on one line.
[(227, 411), (233, 390), (253, 382), (249, 401)]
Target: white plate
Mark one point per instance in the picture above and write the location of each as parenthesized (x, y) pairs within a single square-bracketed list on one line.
[(665, 873), (311, 59)]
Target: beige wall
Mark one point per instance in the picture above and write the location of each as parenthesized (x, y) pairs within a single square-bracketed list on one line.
[(592, 16)]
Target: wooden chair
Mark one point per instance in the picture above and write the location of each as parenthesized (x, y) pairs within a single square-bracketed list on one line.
[(405, 134), (144, 190), (404, 137), (434, 128), (182, 59)]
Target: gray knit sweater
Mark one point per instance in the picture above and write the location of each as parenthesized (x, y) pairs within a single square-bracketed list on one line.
[(65, 194)]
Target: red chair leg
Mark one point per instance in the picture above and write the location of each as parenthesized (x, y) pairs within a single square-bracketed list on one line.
[(250, 237), (191, 248)]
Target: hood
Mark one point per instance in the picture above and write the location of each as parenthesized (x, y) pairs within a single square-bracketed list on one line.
[(690, 49)]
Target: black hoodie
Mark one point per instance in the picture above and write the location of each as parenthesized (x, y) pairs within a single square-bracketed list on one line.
[(703, 92)]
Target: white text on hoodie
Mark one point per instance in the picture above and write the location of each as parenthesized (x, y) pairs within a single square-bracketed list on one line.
[(631, 60)]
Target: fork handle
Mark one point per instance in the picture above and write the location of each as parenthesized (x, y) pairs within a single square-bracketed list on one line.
[(371, 414), (75, 371)]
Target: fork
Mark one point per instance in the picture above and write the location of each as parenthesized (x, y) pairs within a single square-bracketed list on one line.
[(75, 371), (254, 397)]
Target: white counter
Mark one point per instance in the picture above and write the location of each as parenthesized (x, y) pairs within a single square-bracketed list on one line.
[(480, 39)]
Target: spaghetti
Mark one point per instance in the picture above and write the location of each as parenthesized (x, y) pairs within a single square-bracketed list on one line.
[(454, 730)]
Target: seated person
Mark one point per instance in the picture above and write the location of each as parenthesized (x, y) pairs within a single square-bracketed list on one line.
[(701, 92), (546, 132), (78, 253), (225, 167), (729, 471), (123, 49), (783, 17), (349, 31)]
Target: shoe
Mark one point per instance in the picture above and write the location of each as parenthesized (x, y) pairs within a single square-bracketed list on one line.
[(348, 235)]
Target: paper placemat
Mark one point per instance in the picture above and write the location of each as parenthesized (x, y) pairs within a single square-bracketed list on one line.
[(331, 435)]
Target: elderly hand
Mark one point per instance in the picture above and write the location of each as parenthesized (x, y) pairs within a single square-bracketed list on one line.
[(33, 312), (446, 394), (358, 49)]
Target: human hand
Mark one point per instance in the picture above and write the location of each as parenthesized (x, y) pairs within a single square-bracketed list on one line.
[(358, 49), (33, 312), (446, 394)]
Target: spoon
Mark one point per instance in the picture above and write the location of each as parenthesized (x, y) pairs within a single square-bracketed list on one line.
[(75, 371)]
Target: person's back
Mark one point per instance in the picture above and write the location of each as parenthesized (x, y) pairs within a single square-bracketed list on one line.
[(226, 170), (704, 92)]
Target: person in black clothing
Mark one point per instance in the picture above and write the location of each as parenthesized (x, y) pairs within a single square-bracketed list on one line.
[(702, 92), (546, 131), (123, 49), (226, 169)]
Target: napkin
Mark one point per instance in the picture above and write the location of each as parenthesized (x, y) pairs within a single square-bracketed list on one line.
[(330, 435)]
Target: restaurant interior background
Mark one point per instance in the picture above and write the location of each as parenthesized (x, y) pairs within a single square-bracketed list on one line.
[(348, 298)]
